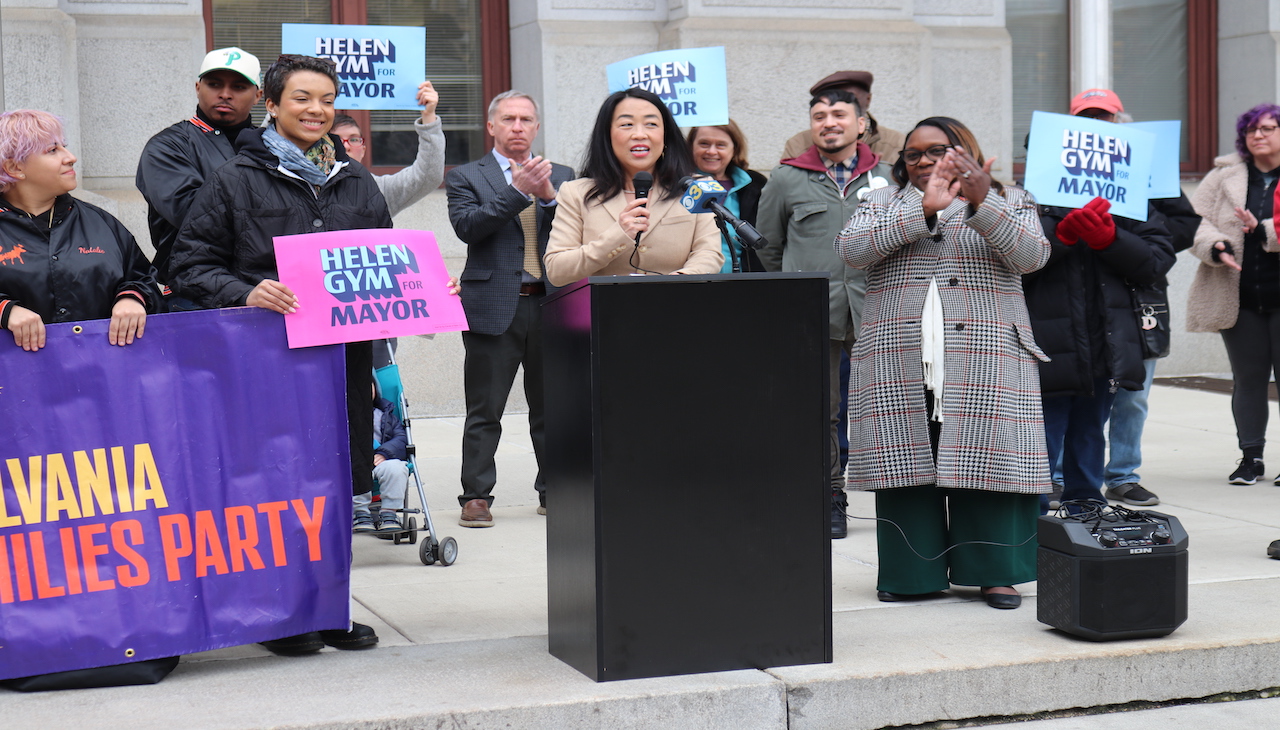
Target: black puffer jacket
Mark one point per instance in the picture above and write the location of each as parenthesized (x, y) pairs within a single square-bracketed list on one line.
[(224, 248), (71, 267), (172, 169), (1081, 309)]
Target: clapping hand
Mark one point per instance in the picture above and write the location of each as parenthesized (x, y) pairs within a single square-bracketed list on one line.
[(533, 178), (1093, 224), (975, 179)]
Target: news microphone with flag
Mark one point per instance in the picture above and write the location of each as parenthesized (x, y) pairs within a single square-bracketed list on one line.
[(642, 183), (708, 196)]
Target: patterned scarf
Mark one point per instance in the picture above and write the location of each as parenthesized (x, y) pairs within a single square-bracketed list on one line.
[(314, 166)]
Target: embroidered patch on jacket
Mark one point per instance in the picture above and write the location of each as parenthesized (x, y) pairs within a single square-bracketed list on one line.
[(13, 255)]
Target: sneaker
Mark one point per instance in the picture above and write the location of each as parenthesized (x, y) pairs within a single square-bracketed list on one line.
[(1132, 494), (1248, 472), (390, 524), (362, 522), (542, 501), (476, 514), (1273, 550)]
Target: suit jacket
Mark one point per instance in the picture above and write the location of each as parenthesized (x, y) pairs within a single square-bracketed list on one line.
[(992, 429), (485, 212), (586, 239)]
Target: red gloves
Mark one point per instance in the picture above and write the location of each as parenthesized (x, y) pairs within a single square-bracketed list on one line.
[(1092, 223)]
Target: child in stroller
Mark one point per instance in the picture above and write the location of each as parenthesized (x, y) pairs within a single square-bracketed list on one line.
[(390, 469)]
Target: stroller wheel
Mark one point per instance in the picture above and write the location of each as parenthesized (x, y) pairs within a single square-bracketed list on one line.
[(448, 551), (412, 535), (425, 553)]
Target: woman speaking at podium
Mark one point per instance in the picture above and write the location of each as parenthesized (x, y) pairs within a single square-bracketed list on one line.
[(944, 390), (603, 227)]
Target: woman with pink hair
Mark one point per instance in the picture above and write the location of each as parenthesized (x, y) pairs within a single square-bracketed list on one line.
[(61, 259)]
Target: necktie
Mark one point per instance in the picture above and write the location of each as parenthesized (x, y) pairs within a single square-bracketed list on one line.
[(529, 222)]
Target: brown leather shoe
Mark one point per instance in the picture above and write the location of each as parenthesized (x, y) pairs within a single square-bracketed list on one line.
[(476, 514)]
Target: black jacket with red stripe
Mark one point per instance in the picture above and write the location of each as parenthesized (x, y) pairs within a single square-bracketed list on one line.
[(71, 265), (174, 166)]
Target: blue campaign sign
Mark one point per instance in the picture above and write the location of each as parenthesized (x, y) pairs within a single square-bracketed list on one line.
[(1165, 175), (1072, 160), (379, 66), (692, 82)]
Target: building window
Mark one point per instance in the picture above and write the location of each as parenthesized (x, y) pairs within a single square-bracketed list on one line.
[(1041, 64), (1163, 56), (467, 52)]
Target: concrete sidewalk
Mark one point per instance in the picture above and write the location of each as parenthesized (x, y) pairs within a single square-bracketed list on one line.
[(465, 646)]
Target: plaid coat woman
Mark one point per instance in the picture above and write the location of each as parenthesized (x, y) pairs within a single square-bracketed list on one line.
[(992, 429)]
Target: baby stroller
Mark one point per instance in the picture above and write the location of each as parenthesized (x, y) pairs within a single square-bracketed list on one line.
[(433, 549)]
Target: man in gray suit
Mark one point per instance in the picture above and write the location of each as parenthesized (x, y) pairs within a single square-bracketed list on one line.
[(502, 206)]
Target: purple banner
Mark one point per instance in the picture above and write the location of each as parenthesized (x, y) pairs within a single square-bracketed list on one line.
[(190, 491)]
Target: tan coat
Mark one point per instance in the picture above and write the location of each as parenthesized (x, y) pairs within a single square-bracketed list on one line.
[(1214, 300), (887, 143), (586, 239)]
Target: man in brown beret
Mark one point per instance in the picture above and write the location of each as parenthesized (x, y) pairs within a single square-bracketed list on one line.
[(883, 141)]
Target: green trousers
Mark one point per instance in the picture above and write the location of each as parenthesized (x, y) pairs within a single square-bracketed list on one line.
[(934, 520)]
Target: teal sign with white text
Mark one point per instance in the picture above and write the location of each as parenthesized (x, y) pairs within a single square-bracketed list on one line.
[(1072, 160), (379, 66)]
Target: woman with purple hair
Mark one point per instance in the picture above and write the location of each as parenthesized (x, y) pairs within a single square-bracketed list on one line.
[(1237, 287), (61, 259)]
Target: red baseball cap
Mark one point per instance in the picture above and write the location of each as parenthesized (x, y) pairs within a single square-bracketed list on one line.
[(1104, 99)]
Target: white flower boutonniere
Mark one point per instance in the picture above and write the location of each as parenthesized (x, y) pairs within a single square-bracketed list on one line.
[(875, 183)]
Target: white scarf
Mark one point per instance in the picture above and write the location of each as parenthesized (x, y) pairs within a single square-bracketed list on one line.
[(933, 347)]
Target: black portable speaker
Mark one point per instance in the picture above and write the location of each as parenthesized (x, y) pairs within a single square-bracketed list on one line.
[(1112, 574)]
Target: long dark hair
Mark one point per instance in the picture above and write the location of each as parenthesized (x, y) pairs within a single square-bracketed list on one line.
[(958, 135), (601, 165)]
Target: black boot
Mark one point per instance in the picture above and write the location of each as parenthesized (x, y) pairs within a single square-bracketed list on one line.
[(839, 514)]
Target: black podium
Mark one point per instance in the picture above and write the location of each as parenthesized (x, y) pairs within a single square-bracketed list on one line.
[(688, 505)]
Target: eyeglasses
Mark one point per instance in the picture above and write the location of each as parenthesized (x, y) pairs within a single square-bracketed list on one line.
[(353, 140), (1265, 129), (934, 153)]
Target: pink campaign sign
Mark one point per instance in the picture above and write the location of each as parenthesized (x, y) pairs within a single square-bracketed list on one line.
[(366, 285)]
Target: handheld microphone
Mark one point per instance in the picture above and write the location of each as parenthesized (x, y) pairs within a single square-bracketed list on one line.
[(642, 183), (707, 196)]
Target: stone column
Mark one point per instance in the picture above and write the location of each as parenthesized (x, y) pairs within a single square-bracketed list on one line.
[(970, 72), (1248, 63)]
